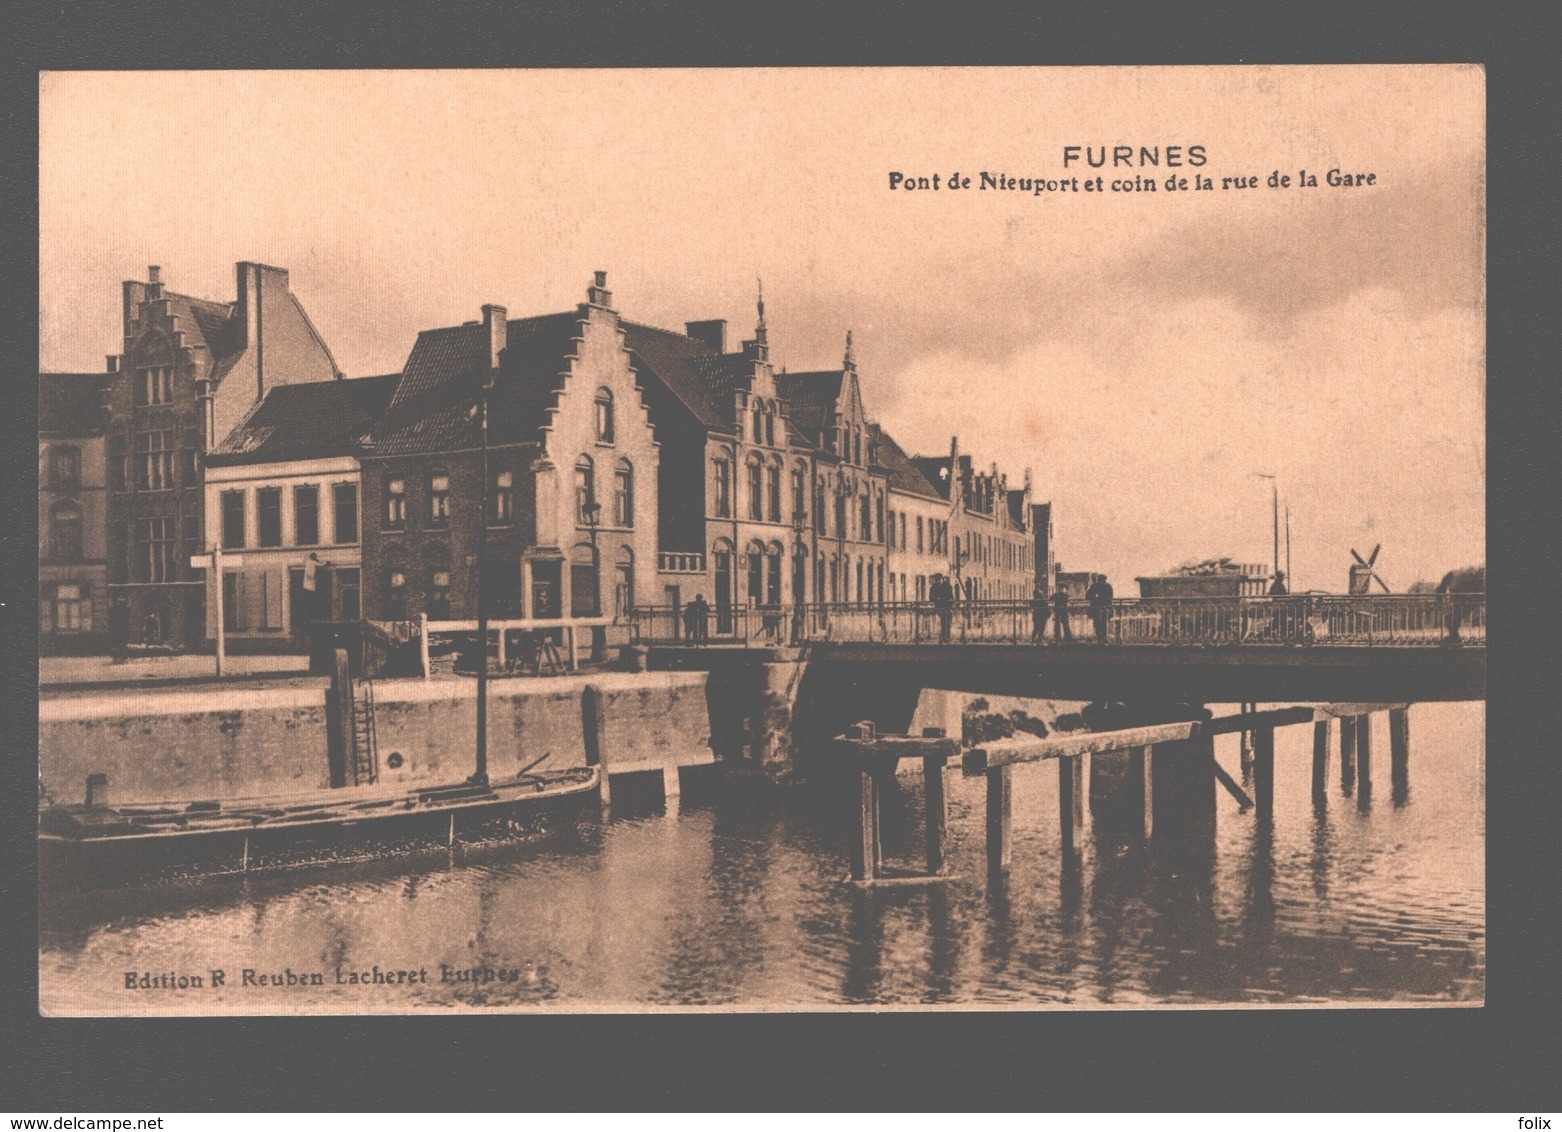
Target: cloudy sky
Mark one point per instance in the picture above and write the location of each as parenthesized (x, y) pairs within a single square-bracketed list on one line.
[(1143, 354)]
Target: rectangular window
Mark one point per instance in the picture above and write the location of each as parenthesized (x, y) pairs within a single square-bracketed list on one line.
[(439, 499), (344, 500), (72, 611), (799, 495), (756, 490), (891, 531), (502, 510), (232, 520), (268, 508), (232, 601), (156, 386), (349, 593), (395, 503), (306, 516), (157, 460), (157, 550), (623, 498), (773, 496), (270, 588), (723, 488)]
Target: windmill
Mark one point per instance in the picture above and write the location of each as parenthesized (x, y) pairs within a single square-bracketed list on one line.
[(1362, 575)]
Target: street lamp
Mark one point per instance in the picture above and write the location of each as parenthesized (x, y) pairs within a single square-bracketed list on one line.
[(592, 512)]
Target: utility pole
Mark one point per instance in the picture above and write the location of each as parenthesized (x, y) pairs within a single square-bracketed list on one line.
[(1274, 483), (480, 774)]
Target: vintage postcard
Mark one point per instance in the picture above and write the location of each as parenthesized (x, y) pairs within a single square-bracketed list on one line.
[(761, 540)]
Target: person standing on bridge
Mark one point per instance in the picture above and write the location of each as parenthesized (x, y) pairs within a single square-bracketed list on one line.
[(1038, 617), (1060, 626), (699, 620), (943, 597), (1099, 595)]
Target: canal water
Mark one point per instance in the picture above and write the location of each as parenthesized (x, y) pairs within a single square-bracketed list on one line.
[(736, 898)]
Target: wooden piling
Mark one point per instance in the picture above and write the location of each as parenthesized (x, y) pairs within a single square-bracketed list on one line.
[(998, 813), (1363, 756), (1321, 760), (865, 849), (937, 813), (1400, 748), (1347, 754), (1264, 771), (1141, 765), (1071, 803)]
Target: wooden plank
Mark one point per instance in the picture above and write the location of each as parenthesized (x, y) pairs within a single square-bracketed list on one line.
[(898, 746), (1256, 720), (1143, 762), (1006, 752), (1341, 711), (1231, 786)]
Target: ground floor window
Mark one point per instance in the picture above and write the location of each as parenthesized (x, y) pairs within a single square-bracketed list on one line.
[(66, 608)]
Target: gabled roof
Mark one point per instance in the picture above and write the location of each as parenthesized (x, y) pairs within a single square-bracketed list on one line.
[(71, 404), (212, 324), (688, 368), (904, 476), (1017, 509), (307, 421), (936, 470), (811, 398), (431, 409)]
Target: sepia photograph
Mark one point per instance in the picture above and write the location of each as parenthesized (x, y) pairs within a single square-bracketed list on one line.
[(761, 540)]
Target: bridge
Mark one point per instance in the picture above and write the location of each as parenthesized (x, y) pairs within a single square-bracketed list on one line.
[(832, 665)]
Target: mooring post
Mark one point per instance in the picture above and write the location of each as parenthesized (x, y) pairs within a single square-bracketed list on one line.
[(1363, 757), (591, 727), (998, 810), (936, 816), (1264, 772), (1399, 751), (865, 852), (1320, 760), (1347, 754), (1071, 803)]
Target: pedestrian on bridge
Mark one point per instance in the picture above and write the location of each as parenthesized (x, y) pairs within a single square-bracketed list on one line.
[(1060, 626), (1100, 595), (698, 620), (1039, 611), (943, 597)]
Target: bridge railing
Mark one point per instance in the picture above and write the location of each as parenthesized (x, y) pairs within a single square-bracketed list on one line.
[(1303, 620)]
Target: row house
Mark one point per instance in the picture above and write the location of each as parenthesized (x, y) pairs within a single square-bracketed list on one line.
[(569, 519), (1045, 543), (284, 505), (189, 371), (72, 512), (992, 545), (918, 527)]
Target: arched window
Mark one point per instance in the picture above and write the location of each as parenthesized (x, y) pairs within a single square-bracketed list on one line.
[(754, 565), (799, 494), (584, 582), (878, 513), (396, 592), (770, 427), (395, 503), (604, 409), (721, 487), (624, 494), (773, 556), (759, 422), (865, 524), (773, 491), (756, 487), (721, 564), (585, 490), (65, 466), (65, 532), (624, 584)]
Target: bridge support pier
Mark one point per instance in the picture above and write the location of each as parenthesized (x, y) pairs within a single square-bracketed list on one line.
[(1347, 754), (1363, 760), (1321, 761), (1122, 794), (1183, 792), (1264, 772), (1072, 773), (999, 811), (1399, 753)]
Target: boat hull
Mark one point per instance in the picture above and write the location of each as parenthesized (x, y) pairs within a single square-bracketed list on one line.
[(93, 846)]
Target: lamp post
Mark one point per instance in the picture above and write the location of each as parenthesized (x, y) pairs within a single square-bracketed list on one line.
[(480, 774), (1274, 484)]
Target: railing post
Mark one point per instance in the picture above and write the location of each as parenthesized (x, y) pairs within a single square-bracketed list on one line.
[(574, 648), (423, 642), (501, 645)]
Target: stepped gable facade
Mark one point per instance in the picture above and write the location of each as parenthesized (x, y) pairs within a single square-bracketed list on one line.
[(570, 522), (189, 371)]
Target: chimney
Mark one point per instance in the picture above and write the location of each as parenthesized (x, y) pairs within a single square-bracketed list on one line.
[(154, 282), (712, 331), (597, 294), (496, 323), (113, 363)]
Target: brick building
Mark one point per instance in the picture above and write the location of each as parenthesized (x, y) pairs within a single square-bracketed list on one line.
[(72, 512), (917, 533), (1045, 553), (189, 371), (571, 515), (992, 550)]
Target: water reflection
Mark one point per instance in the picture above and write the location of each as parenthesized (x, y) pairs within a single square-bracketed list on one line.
[(739, 898)]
